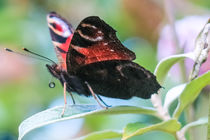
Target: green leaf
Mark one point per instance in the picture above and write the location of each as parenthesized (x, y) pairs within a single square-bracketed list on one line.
[(172, 95), (201, 121), (101, 135), (191, 92), (164, 65), (53, 115), (134, 129)]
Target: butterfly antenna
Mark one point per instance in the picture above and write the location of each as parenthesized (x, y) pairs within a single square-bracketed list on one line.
[(36, 54), (40, 56)]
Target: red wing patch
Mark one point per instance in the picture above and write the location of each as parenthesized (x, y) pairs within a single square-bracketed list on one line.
[(61, 33), (95, 41), (103, 51)]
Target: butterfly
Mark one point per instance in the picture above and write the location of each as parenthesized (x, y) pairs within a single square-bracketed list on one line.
[(93, 61)]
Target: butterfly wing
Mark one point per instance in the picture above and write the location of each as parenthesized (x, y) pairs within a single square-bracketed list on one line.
[(119, 79), (97, 56), (95, 41), (61, 33)]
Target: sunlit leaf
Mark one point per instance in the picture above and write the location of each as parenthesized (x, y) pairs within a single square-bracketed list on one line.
[(164, 65), (191, 92), (172, 95), (53, 115), (134, 129), (101, 135), (201, 121)]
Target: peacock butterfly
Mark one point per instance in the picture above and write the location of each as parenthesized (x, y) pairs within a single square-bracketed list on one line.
[(92, 61)]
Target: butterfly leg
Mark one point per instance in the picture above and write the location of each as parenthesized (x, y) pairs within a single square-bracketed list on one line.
[(72, 98), (103, 101), (94, 95), (65, 102), (62, 76)]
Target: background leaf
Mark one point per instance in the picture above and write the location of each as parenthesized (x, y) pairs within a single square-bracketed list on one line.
[(191, 92), (164, 65), (134, 129), (199, 122), (53, 115), (101, 135), (172, 95)]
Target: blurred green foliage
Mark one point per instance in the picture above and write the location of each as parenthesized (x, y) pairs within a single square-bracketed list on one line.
[(23, 24)]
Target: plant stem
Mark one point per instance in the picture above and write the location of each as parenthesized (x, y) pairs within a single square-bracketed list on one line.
[(208, 133), (157, 103), (189, 115), (170, 18)]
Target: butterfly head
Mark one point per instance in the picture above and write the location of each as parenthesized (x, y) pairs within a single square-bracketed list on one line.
[(55, 70)]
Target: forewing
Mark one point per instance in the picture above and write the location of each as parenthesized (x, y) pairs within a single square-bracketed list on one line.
[(95, 41), (61, 33)]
